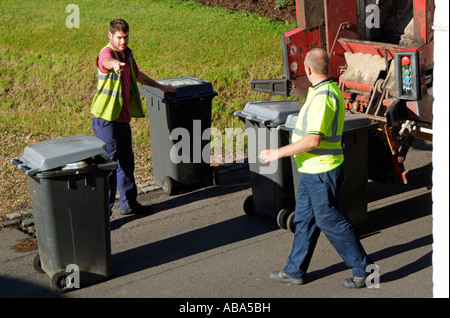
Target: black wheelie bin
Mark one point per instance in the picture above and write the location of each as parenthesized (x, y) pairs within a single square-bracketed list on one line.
[(179, 126), (353, 193), (68, 185), (272, 183)]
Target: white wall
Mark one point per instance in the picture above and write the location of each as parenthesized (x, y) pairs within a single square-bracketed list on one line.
[(441, 151)]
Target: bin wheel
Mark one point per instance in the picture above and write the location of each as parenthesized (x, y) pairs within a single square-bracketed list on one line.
[(249, 206), (58, 281), (215, 177), (282, 218), (290, 222), (37, 264), (167, 185)]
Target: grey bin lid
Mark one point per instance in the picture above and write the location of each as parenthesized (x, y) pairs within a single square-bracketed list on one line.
[(352, 121), (187, 88), (51, 154), (289, 125), (355, 121), (270, 113)]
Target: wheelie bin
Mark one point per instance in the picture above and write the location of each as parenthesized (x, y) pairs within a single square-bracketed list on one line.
[(179, 126), (68, 185), (353, 193), (272, 183)]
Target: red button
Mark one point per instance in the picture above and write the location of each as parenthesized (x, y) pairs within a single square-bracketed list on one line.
[(406, 61)]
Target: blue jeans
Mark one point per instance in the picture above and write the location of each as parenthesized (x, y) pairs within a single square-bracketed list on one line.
[(317, 209), (117, 137)]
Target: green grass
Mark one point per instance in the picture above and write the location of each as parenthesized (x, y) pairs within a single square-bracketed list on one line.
[(48, 71)]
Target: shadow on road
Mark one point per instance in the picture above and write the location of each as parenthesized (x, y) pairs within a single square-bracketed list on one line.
[(398, 213), (17, 288), (235, 181), (190, 243), (389, 252), (417, 178)]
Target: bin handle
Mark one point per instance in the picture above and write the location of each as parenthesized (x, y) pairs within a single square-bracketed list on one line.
[(204, 94), (21, 165), (265, 122)]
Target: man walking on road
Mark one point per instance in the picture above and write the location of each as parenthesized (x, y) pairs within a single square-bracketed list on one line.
[(116, 101), (316, 146)]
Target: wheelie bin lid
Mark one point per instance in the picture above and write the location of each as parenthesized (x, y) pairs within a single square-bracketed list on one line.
[(187, 88), (352, 121), (269, 113), (56, 153), (289, 125), (355, 121)]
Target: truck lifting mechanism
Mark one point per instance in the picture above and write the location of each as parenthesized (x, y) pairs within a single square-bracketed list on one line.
[(381, 54)]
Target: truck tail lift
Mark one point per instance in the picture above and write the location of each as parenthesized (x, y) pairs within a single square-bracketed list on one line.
[(381, 54)]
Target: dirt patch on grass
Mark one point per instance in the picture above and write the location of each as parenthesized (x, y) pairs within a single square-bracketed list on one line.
[(265, 8)]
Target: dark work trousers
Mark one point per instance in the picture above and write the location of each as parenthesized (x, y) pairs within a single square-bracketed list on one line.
[(117, 137), (317, 209)]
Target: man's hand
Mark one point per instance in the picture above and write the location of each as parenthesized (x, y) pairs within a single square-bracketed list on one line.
[(111, 63), (269, 155), (168, 88), (305, 144), (118, 67), (145, 80)]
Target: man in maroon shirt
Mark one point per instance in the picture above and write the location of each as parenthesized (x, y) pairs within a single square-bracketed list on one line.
[(117, 133)]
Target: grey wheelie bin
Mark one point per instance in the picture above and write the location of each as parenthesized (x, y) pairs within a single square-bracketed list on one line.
[(353, 193), (272, 183), (179, 126), (68, 184)]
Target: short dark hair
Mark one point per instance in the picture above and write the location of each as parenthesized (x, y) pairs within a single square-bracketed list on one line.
[(118, 25), (318, 60)]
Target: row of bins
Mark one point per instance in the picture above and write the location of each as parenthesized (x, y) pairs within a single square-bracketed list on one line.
[(68, 180), (274, 190), (68, 177)]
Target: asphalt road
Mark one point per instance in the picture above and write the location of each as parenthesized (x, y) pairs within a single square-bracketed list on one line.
[(200, 244)]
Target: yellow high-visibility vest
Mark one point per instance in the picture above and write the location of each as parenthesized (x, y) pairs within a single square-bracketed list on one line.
[(323, 113), (108, 100)]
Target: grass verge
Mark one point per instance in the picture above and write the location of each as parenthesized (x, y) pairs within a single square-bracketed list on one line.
[(48, 72)]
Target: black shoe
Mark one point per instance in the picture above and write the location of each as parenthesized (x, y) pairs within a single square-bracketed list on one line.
[(138, 209), (355, 282), (281, 277)]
